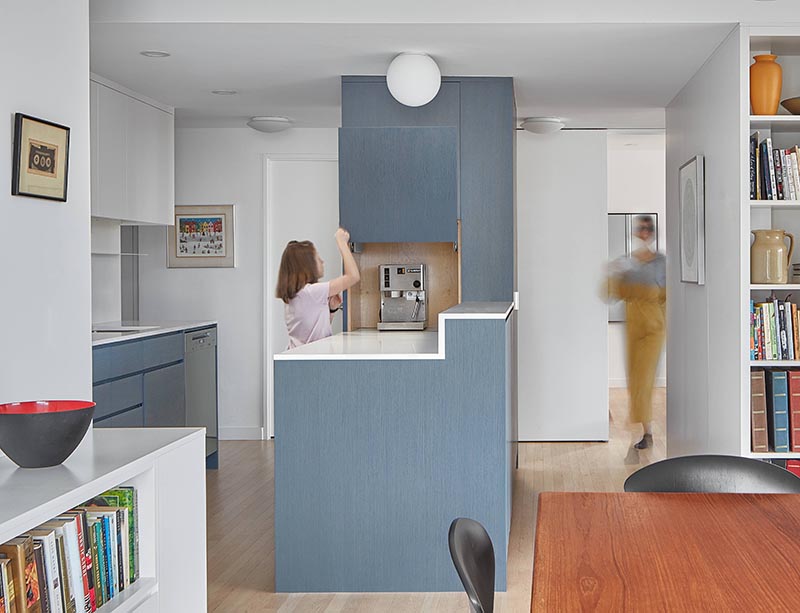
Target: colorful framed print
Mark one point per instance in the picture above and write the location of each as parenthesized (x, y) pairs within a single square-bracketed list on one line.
[(202, 237), (41, 158)]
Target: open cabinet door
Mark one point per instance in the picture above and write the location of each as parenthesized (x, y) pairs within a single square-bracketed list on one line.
[(562, 251)]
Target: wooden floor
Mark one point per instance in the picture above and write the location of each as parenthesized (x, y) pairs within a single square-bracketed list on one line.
[(240, 520)]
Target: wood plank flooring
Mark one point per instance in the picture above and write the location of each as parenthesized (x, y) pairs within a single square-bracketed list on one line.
[(241, 546)]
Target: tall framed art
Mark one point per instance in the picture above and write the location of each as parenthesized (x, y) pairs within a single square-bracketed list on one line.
[(41, 158), (692, 218)]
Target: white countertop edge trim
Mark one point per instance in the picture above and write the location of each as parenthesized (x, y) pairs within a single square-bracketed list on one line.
[(439, 355), (169, 329), (28, 519)]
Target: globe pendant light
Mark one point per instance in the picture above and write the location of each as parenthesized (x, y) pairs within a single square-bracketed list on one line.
[(413, 79)]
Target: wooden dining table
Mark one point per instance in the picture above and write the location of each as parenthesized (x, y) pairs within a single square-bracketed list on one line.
[(667, 552)]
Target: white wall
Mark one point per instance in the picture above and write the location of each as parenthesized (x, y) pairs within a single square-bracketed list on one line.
[(706, 325), (562, 248), (636, 184), (225, 166), (44, 251)]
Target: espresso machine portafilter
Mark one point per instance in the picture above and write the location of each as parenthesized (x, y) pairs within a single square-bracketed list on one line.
[(402, 297)]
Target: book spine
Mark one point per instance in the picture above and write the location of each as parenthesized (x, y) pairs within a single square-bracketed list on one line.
[(98, 592), (794, 409), (760, 331), (784, 341), (788, 174), (766, 194), (796, 173), (773, 331), (776, 156), (41, 574), (773, 183), (7, 582), (787, 312), (752, 330), (778, 410), (758, 412), (51, 566), (753, 169), (101, 558), (69, 599), (112, 590), (795, 331), (120, 551)]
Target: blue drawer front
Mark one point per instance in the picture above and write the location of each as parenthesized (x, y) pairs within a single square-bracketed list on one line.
[(163, 349), (117, 396), (120, 359), (132, 418)]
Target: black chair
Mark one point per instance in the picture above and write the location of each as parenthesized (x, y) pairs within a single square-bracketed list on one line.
[(717, 474), (473, 556)]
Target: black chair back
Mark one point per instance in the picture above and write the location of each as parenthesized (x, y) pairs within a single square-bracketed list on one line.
[(719, 474), (473, 556)]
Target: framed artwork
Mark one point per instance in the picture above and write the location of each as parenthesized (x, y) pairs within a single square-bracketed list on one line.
[(202, 237), (692, 212), (41, 158)]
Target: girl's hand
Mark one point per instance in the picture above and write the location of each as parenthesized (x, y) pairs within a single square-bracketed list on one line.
[(335, 301), (342, 236)]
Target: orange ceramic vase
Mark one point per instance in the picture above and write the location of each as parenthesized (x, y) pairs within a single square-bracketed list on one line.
[(766, 79)]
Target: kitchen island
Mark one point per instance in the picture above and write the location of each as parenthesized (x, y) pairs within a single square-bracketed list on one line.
[(381, 440)]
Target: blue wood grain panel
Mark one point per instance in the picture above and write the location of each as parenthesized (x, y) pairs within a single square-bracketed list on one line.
[(165, 397), (158, 350), (117, 396), (369, 471), (132, 418), (116, 360), (399, 184), (487, 189), (367, 103)]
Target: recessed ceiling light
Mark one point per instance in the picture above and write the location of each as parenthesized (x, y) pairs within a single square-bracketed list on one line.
[(224, 92), (154, 53)]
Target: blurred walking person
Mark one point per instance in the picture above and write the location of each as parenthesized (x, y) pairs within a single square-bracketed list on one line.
[(640, 280)]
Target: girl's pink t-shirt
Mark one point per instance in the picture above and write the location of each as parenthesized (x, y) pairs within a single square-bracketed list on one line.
[(308, 317)]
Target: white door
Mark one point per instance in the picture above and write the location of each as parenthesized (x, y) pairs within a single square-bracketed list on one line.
[(301, 203), (562, 250)]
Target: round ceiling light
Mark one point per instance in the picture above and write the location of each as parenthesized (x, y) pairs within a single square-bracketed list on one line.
[(542, 125), (413, 79), (154, 53), (270, 123)]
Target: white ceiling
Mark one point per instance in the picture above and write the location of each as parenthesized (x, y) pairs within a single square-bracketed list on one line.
[(616, 75)]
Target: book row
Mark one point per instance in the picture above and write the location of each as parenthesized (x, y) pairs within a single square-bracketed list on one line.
[(775, 410), (774, 330), (774, 172), (77, 561)]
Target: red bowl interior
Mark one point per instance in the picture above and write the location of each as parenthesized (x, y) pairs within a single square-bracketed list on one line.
[(43, 406)]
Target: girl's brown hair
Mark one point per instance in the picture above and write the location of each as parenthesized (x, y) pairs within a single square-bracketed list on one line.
[(298, 268)]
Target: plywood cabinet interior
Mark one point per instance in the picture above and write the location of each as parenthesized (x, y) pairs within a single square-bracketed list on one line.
[(133, 157)]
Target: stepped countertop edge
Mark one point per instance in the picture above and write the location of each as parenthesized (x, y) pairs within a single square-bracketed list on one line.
[(100, 337), (395, 345)]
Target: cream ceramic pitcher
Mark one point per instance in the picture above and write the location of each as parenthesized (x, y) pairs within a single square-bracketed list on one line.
[(769, 259)]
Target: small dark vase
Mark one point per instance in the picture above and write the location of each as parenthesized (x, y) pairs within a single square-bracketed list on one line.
[(43, 433)]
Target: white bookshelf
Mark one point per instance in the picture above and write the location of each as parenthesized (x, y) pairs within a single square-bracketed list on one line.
[(784, 129), (167, 468)]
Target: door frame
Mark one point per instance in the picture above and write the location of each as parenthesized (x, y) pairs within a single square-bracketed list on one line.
[(268, 281)]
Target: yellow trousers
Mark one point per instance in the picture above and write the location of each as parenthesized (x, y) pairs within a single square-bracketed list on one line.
[(645, 312)]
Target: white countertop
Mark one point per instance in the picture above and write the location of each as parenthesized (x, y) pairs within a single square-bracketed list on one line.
[(394, 344), (109, 331), (105, 458)]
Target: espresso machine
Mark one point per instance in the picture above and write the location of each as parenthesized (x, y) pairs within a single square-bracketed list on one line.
[(402, 297)]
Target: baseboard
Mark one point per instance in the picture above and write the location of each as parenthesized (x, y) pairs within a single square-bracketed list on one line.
[(660, 382), (241, 434)]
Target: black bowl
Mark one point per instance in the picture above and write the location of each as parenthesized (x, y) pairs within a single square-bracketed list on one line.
[(43, 433)]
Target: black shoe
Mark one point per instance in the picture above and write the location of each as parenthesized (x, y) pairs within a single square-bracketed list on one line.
[(647, 441)]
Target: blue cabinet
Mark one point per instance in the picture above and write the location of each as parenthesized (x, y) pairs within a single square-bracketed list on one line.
[(399, 184), (139, 382), (482, 111)]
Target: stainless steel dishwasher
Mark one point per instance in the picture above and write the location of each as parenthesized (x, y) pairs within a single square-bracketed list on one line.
[(201, 386)]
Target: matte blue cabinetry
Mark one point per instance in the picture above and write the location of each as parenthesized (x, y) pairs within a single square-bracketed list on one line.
[(482, 110), (399, 184), (139, 382)]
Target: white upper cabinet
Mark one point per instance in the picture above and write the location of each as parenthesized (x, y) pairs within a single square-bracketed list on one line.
[(133, 157)]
